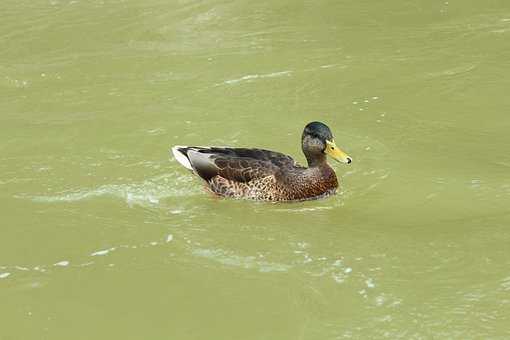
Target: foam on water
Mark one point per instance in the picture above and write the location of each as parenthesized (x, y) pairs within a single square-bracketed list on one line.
[(103, 252), (505, 285), (305, 209), (148, 192), (80, 261), (251, 77), (247, 262)]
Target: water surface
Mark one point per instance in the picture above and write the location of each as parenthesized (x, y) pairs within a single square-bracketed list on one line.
[(105, 236)]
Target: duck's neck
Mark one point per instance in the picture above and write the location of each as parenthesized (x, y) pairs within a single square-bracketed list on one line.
[(318, 178), (316, 161)]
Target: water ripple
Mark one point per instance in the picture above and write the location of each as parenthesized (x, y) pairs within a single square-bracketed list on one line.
[(148, 192)]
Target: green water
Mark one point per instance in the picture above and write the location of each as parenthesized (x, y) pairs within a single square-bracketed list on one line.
[(105, 236)]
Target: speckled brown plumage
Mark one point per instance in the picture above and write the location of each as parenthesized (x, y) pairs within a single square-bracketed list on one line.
[(267, 175), (265, 181), (262, 175)]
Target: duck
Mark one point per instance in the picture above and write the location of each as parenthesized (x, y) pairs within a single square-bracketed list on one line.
[(259, 174)]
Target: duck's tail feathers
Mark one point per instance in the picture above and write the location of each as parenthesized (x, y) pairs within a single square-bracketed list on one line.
[(181, 155)]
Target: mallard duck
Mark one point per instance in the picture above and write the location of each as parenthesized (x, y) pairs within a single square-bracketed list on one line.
[(267, 175)]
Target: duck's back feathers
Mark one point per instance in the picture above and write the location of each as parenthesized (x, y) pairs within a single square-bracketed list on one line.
[(237, 164)]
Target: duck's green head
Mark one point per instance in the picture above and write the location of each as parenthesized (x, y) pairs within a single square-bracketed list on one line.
[(317, 141)]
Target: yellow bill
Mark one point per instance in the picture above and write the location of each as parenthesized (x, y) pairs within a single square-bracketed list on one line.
[(335, 152)]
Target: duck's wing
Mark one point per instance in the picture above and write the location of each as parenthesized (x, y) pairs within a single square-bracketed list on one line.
[(238, 164)]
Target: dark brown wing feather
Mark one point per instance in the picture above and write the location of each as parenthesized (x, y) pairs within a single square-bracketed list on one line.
[(244, 169), (238, 164), (241, 165), (277, 158)]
